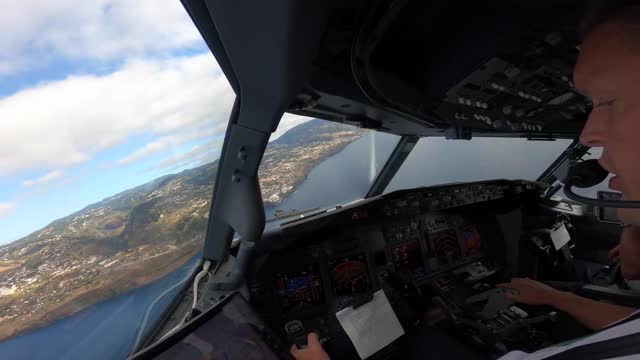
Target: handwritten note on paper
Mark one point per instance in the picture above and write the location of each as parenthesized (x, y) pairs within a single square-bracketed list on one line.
[(372, 326)]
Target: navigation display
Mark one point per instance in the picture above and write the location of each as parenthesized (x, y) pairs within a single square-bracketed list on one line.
[(470, 240), (301, 287), (406, 256), (350, 275)]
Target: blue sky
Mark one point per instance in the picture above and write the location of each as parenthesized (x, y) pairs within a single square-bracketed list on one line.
[(97, 97)]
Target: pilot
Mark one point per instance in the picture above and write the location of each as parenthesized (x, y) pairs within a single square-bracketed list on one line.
[(608, 72)]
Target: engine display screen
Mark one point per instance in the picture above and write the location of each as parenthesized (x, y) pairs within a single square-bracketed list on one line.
[(446, 246), (406, 256), (470, 240), (301, 287), (350, 275)]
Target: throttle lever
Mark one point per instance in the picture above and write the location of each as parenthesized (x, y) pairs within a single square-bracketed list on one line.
[(297, 334)]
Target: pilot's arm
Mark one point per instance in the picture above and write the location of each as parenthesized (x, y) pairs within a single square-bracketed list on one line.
[(593, 314)]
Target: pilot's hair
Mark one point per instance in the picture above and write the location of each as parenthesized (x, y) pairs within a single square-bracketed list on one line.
[(625, 14)]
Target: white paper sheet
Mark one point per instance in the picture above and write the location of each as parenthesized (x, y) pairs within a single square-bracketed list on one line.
[(372, 326), (560, 237)]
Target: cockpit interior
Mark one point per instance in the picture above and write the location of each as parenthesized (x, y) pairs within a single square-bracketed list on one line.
[(454, 69)]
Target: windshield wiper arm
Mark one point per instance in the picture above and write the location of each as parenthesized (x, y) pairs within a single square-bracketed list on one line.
[(394, 162)]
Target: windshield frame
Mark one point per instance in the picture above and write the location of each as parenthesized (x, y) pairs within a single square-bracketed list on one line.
[(145, 339)]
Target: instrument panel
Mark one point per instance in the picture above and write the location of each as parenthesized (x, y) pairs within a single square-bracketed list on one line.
[(417, 233), (336, 267), (437, 241)]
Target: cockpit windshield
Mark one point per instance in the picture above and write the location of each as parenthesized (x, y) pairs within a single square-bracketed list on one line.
[(435, 161), (114, 113), (318, 164)]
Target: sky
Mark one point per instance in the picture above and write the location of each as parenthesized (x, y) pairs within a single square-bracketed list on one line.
[(97, 97)]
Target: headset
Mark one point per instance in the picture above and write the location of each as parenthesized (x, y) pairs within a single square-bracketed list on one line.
[(588, 173)]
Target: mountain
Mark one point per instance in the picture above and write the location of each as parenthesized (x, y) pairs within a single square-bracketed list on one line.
[(125, 219), (139, 235)]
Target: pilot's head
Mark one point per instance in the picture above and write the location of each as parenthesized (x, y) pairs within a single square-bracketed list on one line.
[(608, 72)]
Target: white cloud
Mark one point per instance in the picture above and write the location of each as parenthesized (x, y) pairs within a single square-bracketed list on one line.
[(44, 179), (6, 208), (32, 32), (66, 122), (197, 155), (201, 154), (147, 150), (165, 143)]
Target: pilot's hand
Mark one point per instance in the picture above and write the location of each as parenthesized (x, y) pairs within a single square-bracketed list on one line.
[(531, 292), (614, 254), (313, 351)]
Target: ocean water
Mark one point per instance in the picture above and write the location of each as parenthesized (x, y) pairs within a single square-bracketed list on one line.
[(106, 330), (341, 178)]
